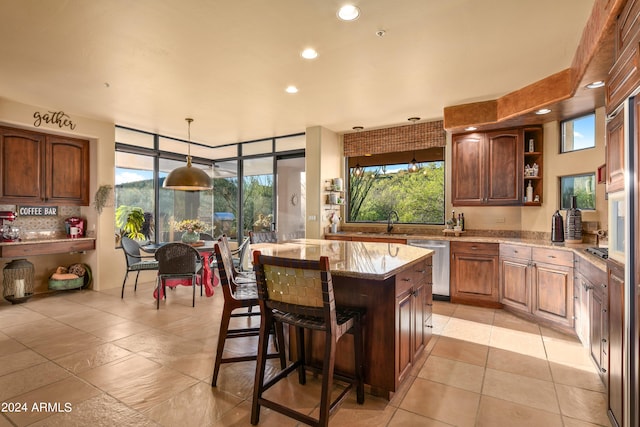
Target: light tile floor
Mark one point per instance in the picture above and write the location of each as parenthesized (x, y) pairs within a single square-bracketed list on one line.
[(88, 358)]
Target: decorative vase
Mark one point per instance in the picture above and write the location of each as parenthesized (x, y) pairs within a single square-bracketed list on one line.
[(190, 237)]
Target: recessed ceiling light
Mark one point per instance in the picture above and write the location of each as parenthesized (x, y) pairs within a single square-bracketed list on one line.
[(357, 128), (309, 53), (595, 85), (470, 128), (291, 89), (543, 111), (413, 119), (348, 12)]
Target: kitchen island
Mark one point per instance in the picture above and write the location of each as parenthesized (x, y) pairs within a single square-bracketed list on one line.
[(393, 283)]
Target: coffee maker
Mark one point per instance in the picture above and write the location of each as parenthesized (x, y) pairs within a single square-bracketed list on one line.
[(7, 231), (75, 227)]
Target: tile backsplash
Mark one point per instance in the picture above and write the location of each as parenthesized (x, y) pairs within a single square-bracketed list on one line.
[(42, 227)]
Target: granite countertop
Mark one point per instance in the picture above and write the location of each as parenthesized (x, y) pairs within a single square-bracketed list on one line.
[(367, 260), (576, 248)]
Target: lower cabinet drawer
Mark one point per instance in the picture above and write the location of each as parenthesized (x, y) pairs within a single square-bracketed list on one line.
[(552, 256)]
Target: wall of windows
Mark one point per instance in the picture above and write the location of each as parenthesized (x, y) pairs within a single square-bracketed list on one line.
[(242, 174)]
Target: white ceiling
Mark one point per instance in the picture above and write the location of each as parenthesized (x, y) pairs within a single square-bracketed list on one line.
[(227, 63)]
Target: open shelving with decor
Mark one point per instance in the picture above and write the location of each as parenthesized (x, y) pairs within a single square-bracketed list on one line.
[(533, 150)]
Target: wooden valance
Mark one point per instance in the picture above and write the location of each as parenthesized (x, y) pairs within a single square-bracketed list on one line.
[(416, 136)]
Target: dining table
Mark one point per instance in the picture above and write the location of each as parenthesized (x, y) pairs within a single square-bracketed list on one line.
[(205, 249)]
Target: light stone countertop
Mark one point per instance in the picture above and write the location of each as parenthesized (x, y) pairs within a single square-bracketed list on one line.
[(576, 248), (367, 260)]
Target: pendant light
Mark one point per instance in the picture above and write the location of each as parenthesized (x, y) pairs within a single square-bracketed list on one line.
[(413, 166), (188, 178)]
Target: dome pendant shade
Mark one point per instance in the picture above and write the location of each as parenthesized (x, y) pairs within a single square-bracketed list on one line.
[(187, 178)]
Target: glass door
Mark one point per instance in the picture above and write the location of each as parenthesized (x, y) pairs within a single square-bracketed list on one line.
[(291, 198)]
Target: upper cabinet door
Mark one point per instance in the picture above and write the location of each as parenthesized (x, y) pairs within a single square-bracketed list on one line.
[(468, 174), (43, 169), (504, 167), (67, 171), (21, 166), (487, 168), (615, 154)]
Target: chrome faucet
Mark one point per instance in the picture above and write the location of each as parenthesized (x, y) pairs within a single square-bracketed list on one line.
[(390, 222)]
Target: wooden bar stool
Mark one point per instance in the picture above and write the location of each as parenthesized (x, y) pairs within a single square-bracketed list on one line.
[(238, 294), (300, 293)]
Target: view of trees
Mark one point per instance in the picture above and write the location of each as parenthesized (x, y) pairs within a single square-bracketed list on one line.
[(581, 186), (417, 197)]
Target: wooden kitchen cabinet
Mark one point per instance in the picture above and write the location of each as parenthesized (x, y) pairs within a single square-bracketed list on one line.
[(553, 286), (615, 153), (591, 317), (624, 76), (487, 168), (43, 169), (515, 277), (533, 136), (413, 311), (616, 372), (475, 274), (538, 283)]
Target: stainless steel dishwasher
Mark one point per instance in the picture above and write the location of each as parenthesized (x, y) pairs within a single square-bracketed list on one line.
[(440, 269)]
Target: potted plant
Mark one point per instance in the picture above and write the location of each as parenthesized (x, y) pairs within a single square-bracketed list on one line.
[(130, 219)]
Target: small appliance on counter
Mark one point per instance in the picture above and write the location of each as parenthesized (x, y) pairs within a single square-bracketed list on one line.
[(75, 227), (573, 232), (9, 233), (557, 228)]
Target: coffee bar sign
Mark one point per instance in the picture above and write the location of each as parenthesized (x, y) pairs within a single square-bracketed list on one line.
[(37, 211)]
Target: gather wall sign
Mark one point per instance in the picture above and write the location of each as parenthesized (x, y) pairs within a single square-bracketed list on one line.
[(59, 118)]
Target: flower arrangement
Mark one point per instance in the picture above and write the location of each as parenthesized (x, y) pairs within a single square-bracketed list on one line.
[(190, 225), (263, 221)]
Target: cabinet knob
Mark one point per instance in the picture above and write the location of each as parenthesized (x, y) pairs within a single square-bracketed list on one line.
[(604, 310), (603, 370), (603, 285), (406, 279), (604, 340)]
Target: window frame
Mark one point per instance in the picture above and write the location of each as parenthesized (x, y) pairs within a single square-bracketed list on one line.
[(409, 155), (577, 175), (563, 124)]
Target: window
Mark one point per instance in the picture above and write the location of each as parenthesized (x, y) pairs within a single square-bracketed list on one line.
[(143, 161), (581, 186), (578, 133), (382, 183), (257, 194), (135, 186), (225, 198)]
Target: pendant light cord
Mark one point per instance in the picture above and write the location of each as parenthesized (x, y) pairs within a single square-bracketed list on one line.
[(189, 120)]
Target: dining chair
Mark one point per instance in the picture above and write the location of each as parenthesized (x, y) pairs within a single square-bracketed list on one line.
[(207, 237), (239, 276), (178, 261), (135, 261), (238, 295), (300, 293), (263, 237)]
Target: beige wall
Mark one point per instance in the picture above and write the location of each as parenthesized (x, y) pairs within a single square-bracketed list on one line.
[(107, 263), (323, 161)]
